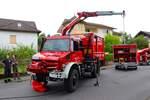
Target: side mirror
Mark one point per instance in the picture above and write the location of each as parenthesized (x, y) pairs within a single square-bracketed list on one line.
[(42, 43)]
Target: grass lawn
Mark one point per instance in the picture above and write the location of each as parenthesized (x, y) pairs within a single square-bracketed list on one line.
[(21, 68)]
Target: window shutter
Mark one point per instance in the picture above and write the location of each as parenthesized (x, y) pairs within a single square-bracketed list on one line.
[(12, 39)]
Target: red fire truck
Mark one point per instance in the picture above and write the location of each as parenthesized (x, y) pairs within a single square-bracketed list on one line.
[(69, 57), (143, 56), (124, 56)]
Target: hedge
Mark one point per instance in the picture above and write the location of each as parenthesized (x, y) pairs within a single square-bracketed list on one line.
[(109, 57), (23, 55)]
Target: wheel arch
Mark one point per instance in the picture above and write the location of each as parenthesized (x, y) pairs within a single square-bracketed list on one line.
[(70, 66)]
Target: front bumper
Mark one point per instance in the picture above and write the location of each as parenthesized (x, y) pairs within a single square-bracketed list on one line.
[(125, 65), (57, 75)]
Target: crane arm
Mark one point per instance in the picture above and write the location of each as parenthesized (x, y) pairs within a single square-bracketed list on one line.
[(100, 13), (84, 15)]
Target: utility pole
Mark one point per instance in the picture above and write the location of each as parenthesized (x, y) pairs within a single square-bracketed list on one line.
[(123, 33)]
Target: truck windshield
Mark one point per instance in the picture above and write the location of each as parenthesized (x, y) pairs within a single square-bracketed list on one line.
[(56, 45)]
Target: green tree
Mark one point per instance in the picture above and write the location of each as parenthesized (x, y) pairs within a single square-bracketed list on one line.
[(111, 40), (40, 37), (127, 38), (140, 41)]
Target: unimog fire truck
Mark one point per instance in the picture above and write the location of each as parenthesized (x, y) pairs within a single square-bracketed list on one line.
[(124, 56), (69, 57)]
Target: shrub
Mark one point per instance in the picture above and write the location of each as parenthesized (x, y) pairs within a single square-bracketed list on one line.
[(3, 54), (111, 40), (140, 41), (23, 54), (109, 57)]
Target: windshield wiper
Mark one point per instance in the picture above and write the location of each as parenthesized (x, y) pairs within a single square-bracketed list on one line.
[(56, 48)]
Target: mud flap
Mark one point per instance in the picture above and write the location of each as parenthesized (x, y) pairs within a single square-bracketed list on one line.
[(38, 86)]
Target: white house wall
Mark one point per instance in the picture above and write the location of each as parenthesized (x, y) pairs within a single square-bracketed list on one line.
[(103, 32), (22, 38)]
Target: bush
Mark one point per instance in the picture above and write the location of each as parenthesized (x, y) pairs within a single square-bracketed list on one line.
[(111, 40), (109, 57), (23, 54), (140, 41), (3, 54), (1, 70)]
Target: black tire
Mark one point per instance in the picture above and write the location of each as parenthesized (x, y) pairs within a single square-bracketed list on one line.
[(71, 84), (116, 68), (135, 68)]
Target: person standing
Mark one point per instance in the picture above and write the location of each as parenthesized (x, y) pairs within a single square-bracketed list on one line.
[(7, 68), (15, 67)]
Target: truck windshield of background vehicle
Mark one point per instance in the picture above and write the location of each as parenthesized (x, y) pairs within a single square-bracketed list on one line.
[(56, 45)]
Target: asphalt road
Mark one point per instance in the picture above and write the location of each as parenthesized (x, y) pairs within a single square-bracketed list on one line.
[(115, 85)]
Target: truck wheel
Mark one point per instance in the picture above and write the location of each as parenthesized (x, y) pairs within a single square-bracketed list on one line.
[(116, 68), (135, 68), (71, 83)]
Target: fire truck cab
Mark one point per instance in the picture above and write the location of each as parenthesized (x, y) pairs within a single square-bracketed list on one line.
[(124, 56), (68, 58)]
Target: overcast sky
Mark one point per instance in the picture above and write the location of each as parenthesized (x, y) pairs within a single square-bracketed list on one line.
[(49, 14)]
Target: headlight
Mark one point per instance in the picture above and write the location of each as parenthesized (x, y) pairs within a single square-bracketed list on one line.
[(35, 57), (63, 65)]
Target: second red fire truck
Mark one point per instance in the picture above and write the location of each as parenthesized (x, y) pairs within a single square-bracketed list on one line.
[(125, 56)]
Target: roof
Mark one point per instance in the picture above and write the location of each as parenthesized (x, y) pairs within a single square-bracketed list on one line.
[(143, 33), (18, 25), (117, 33), (125, 46), (66, 21), (97, 25)]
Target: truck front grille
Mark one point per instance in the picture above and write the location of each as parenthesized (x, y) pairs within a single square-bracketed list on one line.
[(51, 63)]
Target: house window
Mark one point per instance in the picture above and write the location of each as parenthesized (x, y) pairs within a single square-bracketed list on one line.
[(12, 39), (19, 24)]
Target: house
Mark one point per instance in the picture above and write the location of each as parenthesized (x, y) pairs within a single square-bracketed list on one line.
[(145, 34), (83, 27), (17, 32)]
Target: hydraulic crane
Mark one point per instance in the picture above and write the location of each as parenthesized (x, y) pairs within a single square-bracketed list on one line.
[(84, 15)]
